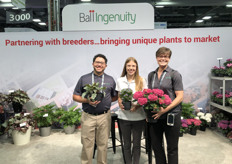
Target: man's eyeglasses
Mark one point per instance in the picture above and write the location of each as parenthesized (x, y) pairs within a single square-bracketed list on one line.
[(165, 57), (98, 62)]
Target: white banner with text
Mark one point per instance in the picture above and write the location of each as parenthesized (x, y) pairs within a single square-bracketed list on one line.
[(48, 64)]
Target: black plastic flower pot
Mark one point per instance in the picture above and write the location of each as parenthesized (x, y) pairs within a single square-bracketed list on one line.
[(127, 105), (99, 97), (149, 115), (17, 107)]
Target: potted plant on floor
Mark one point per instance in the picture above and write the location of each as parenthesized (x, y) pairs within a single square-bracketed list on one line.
[(126, 96), (69, 118), (93, 92), (20, 126), (44, 117), (193, 125), (187, 110), (205, 120), (18, 98), (184, 127)]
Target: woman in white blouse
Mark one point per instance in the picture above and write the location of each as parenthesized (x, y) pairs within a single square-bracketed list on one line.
[(131, 121)]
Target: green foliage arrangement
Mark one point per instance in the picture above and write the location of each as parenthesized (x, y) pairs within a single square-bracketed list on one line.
[(187, 110), (44, 115), (3, 98), (20, 122), (126, 94), (18, 96), (91, 91), (68, 118)]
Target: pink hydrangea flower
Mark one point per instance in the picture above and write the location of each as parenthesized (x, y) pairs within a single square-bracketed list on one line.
[(161, 101), (142, 101), (229, 60), (158, 92), (219, 96), (147, 91), (138, 95), (215, 93), (152, 97)]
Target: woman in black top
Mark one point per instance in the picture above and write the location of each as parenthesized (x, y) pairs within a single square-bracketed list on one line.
[(170, 81)]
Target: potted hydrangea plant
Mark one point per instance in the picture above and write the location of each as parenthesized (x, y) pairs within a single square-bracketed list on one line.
[(205, 120), (193, 125), (152, 100), (184, 127), (126, 96), (225, 126)]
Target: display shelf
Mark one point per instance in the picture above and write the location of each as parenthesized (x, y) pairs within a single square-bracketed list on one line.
[(223, 79), (225, 108)]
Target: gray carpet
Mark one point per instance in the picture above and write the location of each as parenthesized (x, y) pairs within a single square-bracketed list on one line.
[(205, 148)]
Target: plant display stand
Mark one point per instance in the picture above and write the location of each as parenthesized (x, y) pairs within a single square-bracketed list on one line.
[(223, 79)]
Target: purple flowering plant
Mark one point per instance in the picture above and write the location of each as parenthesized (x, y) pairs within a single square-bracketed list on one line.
[(184, 126), (225, 126)]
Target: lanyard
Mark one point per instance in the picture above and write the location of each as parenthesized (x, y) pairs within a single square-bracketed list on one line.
[(162, 77), (102, 80)]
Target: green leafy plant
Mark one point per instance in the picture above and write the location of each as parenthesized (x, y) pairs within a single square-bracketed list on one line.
[(17, 96), (91, 91), (187, 110), (229, 72), (3, 98), (126, 94), (228, 61), (230, 101), (20, 122), (44, 115), (68, 118)]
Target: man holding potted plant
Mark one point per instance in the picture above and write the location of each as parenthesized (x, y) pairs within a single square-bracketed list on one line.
[(96, 116)]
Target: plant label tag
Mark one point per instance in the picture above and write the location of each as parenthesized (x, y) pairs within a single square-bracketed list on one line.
[(45, 115), (22, 124), (199, 108), (25, 114)]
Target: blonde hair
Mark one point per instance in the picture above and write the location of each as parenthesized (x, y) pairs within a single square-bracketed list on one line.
[(138, 78)]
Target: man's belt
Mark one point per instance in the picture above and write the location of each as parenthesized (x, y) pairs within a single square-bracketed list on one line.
[(96, 114)]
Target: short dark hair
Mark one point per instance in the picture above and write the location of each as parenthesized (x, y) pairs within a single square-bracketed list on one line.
[(101, 56), (163, 50)]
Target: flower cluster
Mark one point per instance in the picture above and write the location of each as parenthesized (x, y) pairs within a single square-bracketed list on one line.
[(192, 122), (126, 94), (225, 126), (205, 118), (218, 97), (223, 71), (229, 65), (152, 99), (184, 126)]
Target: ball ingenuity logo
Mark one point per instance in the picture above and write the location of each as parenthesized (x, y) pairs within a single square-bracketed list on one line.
[(93, 16)]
